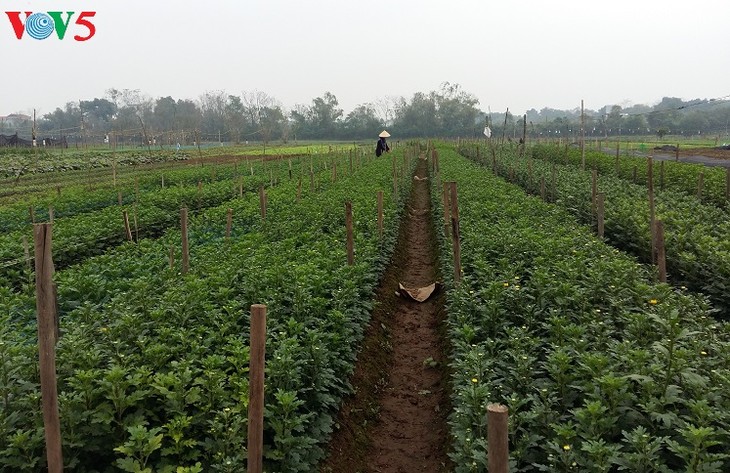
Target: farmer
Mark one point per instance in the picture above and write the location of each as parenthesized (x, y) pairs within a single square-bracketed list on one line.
[(382, 146)]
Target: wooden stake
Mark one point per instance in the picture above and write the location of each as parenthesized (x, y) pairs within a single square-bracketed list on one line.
[(50, 214), (447, 218), (262, 202), (380, 214), (583, 140), (229, 223), (542, 187), (652, 208), (31, 212), (185, 248), (455, 233), (594, 190), (256, 389), (127, 227), (119, 197), (26, 253), (601, 213), (47, 336), (497, 439), (661, 251)]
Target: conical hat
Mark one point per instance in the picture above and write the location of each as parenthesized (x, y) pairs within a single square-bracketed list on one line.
[(384, 134)]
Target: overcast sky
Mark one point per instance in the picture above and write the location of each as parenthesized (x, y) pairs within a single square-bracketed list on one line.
[(517, 54)]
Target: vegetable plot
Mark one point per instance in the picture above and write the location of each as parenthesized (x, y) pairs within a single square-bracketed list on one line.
[(153, 365), (602, 369)]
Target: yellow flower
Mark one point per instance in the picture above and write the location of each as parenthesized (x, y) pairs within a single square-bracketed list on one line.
[(505, 284), (474, 380), (653, 302), (703, 353), (566, 447)]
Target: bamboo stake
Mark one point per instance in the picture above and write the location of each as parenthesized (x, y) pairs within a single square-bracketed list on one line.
[(46, 301), (700, 184), (127, 227), (256, 388)]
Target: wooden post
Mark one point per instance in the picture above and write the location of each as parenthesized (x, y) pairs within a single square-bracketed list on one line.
[(652, 208), (229, 223), (240, 187), (380, 214), (58, 191), (350, 237), (447, 218), (554, 184), (114, 173), (136, 189), (31, 212), (289, 168), (185, 249), (256, 389), (618, 167), (676, 156), (700, 184), (661, 251), (47, 337), (594, 190), (542, 187), (50, 214), (262, 202), (136, 227), (583, 139), (127, 227), (497, 439), (601, 213), (455, 233), (119, 198), (162, 178), (334, 171)]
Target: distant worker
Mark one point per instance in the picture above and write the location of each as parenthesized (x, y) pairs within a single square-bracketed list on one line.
[(382, 146)]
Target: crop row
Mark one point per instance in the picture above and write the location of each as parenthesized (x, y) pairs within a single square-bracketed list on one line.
[(90, 233), (153, 365), (670, 175), (602, 369), (697, 236)]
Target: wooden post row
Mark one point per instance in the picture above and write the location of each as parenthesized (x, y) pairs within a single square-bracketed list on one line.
[(257, 360), (350, 237), (47, 337), (497, 439)]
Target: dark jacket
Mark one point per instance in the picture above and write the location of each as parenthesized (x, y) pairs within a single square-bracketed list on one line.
[(381, 147)]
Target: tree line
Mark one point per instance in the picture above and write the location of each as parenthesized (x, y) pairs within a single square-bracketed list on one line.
[(129, 115)]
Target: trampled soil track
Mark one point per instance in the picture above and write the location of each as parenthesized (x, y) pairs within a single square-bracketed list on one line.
[(396, 421)]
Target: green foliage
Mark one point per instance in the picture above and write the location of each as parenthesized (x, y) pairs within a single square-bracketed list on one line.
[(602, 369)]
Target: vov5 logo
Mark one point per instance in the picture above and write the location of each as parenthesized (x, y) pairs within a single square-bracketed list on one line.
[(42, 25)]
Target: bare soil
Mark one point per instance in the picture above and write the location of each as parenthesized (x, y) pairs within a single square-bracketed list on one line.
[(396, 420)]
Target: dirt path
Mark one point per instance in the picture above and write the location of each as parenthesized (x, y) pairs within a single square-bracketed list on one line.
[(396, 422)]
